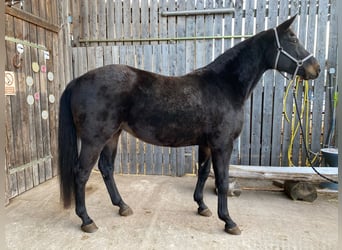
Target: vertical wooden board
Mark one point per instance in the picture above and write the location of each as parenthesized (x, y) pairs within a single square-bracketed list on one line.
[(84, 67), (57, 90), (93, 32), (208, 31), (33, 128), (127, 25), (13, 188), (228, 25), (154, 22), (75, 62), (84, 20), (163, 20), (21, 114), (98, 56), (171, 31), (75, 21), (10, 145), (44, 108), (107, 55), (136, 28), (17, 122), (319, 82), (199, 32), (190, 32), (116, 54), (110, 25), (28, 109), (42, 9), (91, 58), (102, 21), (218, 29), (145, 20), (118, 19)]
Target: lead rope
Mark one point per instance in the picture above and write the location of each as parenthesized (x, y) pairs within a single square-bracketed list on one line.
[(299, 64)]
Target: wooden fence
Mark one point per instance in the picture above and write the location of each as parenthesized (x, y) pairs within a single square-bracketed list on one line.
[(147, 35)]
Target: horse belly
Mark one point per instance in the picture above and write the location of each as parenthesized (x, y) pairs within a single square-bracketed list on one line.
[(163, 133)]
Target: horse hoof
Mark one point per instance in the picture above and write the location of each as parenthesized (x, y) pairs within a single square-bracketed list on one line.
[(205, 212), (90, 228), (235, 230), (125, 211)]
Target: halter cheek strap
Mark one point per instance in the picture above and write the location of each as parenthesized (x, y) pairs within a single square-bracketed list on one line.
[(281, 50)]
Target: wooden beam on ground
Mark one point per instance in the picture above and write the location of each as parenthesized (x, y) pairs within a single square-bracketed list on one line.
[(28, 17), (283, 173)]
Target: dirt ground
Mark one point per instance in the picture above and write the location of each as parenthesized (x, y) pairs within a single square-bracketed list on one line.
[(165, 218)]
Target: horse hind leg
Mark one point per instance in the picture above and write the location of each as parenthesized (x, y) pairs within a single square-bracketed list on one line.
[(106, 166), (87, 159), (204, 161)]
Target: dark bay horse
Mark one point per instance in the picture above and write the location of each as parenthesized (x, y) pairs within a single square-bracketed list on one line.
[(204, 108)]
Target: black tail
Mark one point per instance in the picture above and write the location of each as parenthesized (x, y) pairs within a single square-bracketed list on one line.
[(67, 148)]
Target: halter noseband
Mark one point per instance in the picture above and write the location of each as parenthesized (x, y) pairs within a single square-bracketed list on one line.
[(281, 50)]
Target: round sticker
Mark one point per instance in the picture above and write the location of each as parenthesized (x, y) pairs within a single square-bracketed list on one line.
[(29, 81), (36, 96), (51, 98), (43, 68), (50, 76), (35, 67), (30, 99), (45, 114)]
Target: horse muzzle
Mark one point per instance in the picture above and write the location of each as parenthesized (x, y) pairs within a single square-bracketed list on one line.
[(311, 69)]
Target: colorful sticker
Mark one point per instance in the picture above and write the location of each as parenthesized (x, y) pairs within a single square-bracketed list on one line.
[(43, 68), (35, 67), (45, 114), (51, 98), (36, 96), (29, 81), (30, 99), (50, 76)]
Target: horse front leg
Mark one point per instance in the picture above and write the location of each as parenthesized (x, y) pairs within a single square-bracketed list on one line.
[(106, 166), (221, 158), (204, 163)]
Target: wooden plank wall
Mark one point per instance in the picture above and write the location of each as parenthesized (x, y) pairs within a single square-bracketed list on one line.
[(31, 142), (137, 34)]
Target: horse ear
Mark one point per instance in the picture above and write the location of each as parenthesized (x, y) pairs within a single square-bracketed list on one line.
[(286, 25)]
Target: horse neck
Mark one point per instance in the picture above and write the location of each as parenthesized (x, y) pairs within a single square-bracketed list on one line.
[(241, 67)]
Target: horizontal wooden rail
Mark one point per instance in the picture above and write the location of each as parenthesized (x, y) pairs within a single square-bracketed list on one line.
[(283, 173), (28, 17)]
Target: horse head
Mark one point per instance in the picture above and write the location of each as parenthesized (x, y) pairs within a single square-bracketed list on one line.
[(290, 56)]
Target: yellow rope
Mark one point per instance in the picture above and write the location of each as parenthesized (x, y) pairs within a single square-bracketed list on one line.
[(295, 126)]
